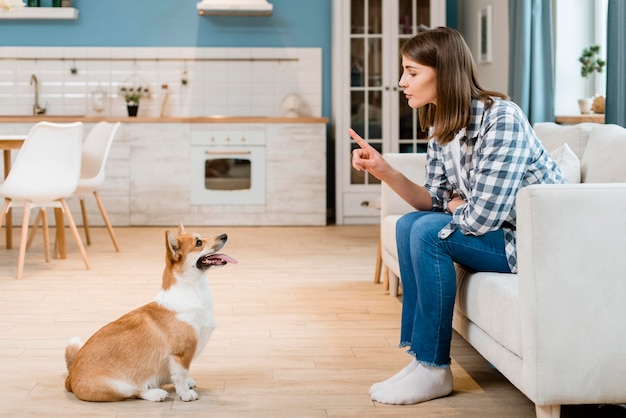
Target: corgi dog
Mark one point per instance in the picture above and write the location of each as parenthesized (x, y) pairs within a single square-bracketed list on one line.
[(133, 356)]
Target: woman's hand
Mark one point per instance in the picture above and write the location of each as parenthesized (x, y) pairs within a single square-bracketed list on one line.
[(455, 202), (367, 158)]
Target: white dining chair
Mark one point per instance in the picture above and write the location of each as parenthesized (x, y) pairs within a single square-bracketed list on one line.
[(95, 153), (45, 172)]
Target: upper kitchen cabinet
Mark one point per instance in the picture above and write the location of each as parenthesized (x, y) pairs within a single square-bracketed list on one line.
[(367, 35)]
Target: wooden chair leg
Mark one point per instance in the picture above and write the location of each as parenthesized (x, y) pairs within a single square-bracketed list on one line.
[(379, 263), (33, 230), (106, 221), (59, 245), (7, 211), (79, 241), (46, 235), (83, 210), (24, 238), (3, 215)]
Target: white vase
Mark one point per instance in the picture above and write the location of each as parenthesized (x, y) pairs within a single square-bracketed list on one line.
[(585, 105)]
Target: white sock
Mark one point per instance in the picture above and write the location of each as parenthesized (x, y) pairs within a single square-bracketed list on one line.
[(402, 373), (422, 384)]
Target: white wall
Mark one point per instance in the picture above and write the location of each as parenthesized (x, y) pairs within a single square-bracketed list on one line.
[(493, 75), (574, 31), (576, 27)]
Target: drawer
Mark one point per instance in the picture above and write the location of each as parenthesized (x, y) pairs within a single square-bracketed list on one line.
[(361, 204)]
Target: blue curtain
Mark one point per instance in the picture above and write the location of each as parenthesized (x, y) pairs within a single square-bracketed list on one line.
[(531, 60), (616, 64)]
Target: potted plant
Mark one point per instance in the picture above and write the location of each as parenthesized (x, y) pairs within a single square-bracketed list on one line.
[(132, 96), (590, 63)]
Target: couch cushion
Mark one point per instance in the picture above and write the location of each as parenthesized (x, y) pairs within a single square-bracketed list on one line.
[(604, 160), (568, 162), (490, 300), (553, 135)]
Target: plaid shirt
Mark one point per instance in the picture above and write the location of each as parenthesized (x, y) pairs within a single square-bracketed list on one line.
[(500, 154)]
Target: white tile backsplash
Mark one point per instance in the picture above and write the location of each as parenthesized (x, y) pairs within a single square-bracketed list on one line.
[(224, 81)]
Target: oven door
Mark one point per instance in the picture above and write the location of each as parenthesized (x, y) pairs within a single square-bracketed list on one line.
[(222, 175)]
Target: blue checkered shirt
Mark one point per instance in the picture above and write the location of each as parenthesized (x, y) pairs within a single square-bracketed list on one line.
[(500, 154)]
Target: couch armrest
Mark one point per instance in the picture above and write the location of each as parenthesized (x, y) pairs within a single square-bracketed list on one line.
[(571, 244), (411, 165)]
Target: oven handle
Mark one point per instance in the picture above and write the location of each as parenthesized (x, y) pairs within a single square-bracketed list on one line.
[(227, 152)]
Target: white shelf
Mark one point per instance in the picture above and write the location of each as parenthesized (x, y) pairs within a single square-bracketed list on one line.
[(41, 13)]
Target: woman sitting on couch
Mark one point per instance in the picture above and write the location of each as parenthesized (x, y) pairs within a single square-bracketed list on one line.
[(481, 151)]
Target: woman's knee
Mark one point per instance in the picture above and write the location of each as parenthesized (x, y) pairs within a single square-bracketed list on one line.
[(425, 226), (404, 225)]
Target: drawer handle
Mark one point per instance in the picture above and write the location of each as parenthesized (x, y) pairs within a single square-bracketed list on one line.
[(227, 152), (369, 204)]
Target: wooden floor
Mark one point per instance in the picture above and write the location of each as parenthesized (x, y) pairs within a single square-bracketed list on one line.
[(303, 331)]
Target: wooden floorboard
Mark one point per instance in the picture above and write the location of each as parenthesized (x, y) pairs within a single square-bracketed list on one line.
[(302, 330)]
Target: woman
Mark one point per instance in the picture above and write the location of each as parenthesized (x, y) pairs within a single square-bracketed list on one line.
[(481, 151)]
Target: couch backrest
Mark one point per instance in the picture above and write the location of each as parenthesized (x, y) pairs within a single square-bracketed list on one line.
[(601, 148), (553, 135), (604, 159)]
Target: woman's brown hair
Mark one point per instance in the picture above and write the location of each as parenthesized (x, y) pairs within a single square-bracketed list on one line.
[(445, 50)]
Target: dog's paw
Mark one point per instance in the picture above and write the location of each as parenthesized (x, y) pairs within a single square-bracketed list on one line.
[(191, 383), (188, 396), (154, 395)]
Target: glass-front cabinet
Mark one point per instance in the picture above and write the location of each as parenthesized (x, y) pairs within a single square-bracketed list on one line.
[(367, 36)]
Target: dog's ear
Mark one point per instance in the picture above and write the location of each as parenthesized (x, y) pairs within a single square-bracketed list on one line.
[(172, 245), (181, 228)]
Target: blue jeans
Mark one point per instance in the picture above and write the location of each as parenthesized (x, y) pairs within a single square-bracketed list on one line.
[(429, 279)]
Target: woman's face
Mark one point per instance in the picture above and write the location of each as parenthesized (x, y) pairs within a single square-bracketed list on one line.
[(419, 83)]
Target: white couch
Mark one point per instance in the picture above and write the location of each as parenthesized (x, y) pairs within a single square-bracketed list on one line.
[(555, 330)]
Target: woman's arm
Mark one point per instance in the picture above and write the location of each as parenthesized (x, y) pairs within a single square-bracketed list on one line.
[(367, 158)]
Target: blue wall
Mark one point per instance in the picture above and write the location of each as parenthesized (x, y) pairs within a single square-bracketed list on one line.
[(293, 23), (301, 23)]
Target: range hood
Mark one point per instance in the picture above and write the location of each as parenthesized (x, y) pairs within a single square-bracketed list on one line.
[(234, 8)]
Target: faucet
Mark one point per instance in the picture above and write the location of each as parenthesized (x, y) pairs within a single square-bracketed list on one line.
[(36, 109)]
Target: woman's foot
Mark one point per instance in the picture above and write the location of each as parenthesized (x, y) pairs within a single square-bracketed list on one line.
[(402, 373), (422, 384)]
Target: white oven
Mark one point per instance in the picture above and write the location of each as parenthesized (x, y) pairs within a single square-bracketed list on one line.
[(228, 167)]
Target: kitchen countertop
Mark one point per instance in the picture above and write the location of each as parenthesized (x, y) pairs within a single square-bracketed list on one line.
[(140, 119)]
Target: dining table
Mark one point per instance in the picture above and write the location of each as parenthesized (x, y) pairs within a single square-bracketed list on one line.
[(10, 143)]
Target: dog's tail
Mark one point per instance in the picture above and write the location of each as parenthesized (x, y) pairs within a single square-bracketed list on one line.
[(71, 349)]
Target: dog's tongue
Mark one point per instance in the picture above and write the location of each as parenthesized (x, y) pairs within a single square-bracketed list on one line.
[(214, 260), (223, 258)]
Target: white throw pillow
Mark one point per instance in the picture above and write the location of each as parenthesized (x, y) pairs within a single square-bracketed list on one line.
[(568, 162)]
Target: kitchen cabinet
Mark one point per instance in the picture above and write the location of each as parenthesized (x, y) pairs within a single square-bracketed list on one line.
[(367, 35), (161, 169), (148, 173)]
